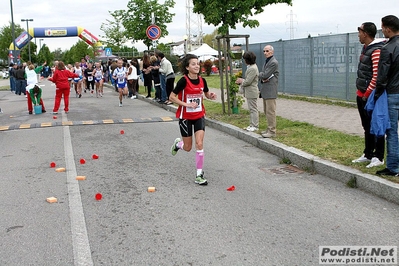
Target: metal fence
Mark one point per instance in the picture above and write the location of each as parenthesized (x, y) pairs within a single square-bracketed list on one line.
[(323, 66)]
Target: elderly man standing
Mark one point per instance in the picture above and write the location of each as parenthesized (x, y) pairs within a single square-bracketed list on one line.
[(268, 90)]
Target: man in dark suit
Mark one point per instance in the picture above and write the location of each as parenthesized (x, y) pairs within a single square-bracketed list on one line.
[(268, 90)]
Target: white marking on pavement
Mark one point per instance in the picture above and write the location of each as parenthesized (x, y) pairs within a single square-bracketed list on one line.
[(80, 240)]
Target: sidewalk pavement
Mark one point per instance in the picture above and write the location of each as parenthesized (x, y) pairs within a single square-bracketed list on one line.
[(343, 119)]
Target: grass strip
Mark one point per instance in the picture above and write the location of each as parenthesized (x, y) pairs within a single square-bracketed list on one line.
[(328, 144)]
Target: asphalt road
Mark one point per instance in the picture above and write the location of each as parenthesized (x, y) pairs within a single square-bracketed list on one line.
[(274, 217)]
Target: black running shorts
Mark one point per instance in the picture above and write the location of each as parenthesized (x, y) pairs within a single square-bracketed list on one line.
[(186, 126)]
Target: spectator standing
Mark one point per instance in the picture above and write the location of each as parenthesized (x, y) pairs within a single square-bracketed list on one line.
[(250, 88), (20, 82), (11, 71), (162, 80), (268, 90), (60, 78), (31, 79), (388, 80), (132, 79), (147, 74), (374, 147), (167, 70), (155, 77)]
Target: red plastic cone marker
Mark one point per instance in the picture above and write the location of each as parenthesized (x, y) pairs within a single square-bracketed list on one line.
[(54, 117), (122, 132), (52, 164), (232, 188), (99, 196), (95, 156), (82, 161)]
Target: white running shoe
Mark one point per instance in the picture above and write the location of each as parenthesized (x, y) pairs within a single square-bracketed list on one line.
[(132, 97), (375, 162), (252, 129), (361, 159), (120, 104)]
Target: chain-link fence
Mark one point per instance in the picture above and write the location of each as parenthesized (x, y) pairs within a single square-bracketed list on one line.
[(324, 66)]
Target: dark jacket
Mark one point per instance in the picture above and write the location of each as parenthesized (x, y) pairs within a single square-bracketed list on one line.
[(365, 67), (20, 74), (155, 73), (388, 68)]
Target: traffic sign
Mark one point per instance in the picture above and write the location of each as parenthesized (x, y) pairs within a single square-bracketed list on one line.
[(153, 32), (108, 52)]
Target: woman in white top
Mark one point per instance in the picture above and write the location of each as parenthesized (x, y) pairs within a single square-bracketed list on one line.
[(31, 81), (132, 78)]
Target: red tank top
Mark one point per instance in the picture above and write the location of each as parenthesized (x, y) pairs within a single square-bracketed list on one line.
[(190, 94)]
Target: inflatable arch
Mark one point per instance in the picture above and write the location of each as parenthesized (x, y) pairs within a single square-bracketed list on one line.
[(51, 32)]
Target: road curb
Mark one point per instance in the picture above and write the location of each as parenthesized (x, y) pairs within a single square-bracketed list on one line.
[(366, 182)]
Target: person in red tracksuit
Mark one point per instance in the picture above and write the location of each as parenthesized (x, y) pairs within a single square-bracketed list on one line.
[(60, 78)]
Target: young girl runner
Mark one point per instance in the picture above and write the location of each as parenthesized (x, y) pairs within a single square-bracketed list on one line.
[(70, 80), (78, 81), (89, 78), (98, 78), (188, 94)]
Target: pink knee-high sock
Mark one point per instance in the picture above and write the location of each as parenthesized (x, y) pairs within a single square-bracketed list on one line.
[(199, 160)]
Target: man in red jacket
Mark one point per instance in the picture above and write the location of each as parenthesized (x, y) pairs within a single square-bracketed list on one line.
[(60, 78)]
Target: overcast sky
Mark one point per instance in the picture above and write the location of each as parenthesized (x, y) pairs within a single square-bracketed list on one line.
[(309, 17)]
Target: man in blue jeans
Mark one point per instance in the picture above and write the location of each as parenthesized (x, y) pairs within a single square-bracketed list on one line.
[(162, 78), (388, 80)]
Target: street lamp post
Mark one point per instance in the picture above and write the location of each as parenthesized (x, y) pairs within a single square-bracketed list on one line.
[(13, 33), (27, 29), (40, 44), (185, 37)]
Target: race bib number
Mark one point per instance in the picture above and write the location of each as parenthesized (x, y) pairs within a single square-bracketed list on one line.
[(90, 78), (197, 98), (121, 78)]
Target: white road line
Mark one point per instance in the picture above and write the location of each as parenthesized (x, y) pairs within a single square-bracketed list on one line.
[(80, 240)]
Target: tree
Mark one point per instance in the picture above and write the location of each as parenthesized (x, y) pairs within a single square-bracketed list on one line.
[(78, 51), (58, 54), (165, 48), (6, 39), (45, 55), (226, 14), (25, 52), (115, 34), (137, 18), (210, 38)]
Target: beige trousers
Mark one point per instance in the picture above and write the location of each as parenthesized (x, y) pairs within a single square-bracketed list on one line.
[(253, 111), (269, 107)]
